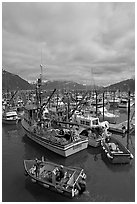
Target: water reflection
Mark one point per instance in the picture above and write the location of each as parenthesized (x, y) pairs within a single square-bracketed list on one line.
[(95, 152), (105, 181), (41, 194), (9, 128)]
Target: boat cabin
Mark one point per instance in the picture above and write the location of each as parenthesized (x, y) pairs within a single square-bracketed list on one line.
[(30, 113), (87, 120)]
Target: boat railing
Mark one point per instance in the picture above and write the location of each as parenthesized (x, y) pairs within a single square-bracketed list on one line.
[(71, 179), (120, 153), (77, 178)]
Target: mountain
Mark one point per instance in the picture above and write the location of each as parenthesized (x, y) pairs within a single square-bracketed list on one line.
[(13, 82), (125, 85), (69, 85)]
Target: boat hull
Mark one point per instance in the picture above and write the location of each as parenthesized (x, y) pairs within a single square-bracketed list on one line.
[(120, 159), (51, 187), (114, 103), (123, 157), (118, 128), (9, 122), (65, 186), (64, 151), (94, 142)]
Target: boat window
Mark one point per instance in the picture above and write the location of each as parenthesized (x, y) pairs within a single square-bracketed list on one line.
[(87, 123), (95, 122), (82, 122), (10, 116), (30, 113)]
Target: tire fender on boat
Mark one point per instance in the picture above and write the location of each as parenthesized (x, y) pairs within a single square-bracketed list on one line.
[(131, 156), (109, 156)]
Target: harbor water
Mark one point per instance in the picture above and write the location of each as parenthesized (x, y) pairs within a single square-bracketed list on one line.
[(106, 182)]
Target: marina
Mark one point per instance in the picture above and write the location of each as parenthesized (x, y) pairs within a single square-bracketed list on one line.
[(55, 135), (105, 181), (68, 102)]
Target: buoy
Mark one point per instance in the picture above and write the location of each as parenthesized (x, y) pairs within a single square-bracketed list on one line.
[(109, 156)]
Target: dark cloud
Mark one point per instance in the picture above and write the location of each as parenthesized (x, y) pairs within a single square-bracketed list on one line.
[(74, 38)]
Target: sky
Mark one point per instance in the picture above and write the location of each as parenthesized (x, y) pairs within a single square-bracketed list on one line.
[(89, 43)]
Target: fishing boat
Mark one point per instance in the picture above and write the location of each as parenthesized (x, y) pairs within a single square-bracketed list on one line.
[(124, 103), (63, 141), (91, 127), (9, 117), (69, 181), (114, 102), (108, 116), (115, 151), (9, 111)]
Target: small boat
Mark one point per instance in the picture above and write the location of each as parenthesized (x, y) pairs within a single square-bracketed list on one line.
[(9, 117), (108, 114), (70, 183), (121, 128), (115, 151), (124, 103)]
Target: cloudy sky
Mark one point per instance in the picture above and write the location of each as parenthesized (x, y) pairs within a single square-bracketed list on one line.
[(84, 42)]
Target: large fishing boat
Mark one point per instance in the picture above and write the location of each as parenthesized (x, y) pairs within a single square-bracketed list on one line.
[(63, 141), (69, 181)]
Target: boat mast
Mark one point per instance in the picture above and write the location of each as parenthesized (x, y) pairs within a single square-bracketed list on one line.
[(96, 103), (128, 124), (103, 105), (38, 95)]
